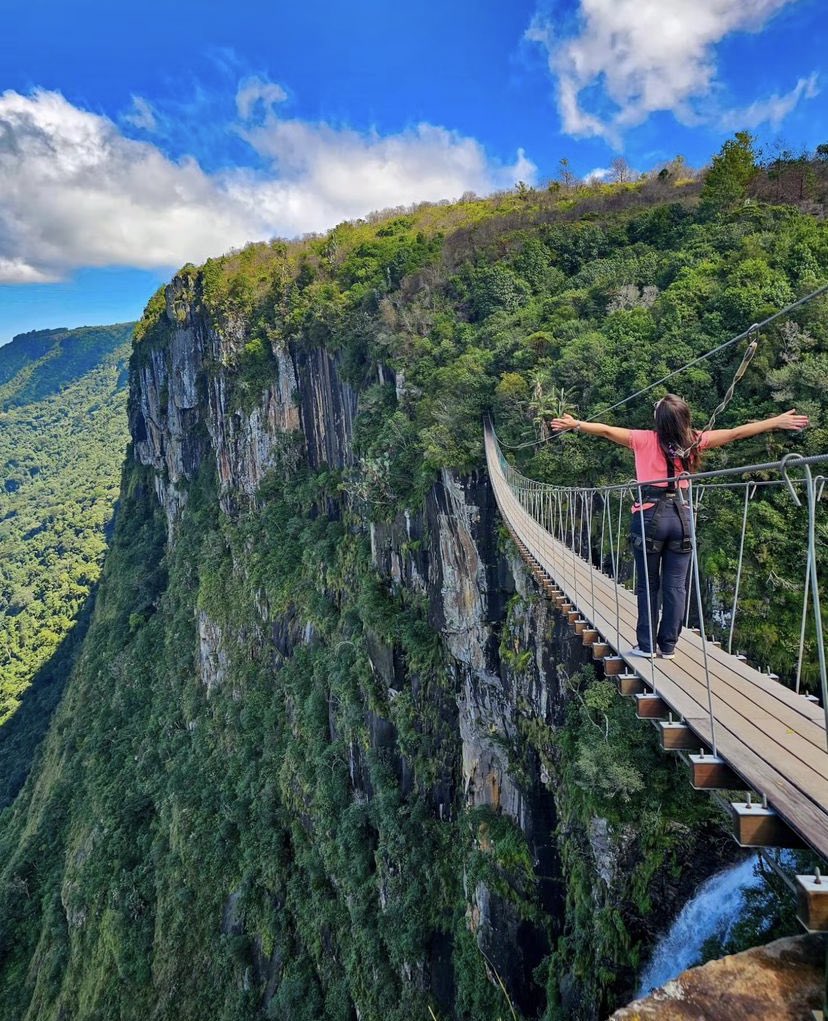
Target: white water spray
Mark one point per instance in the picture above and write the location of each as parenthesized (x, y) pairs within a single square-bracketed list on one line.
[(711, 912)]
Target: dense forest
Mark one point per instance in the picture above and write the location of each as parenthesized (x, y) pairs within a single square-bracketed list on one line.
[(325, 753), (63, 433)]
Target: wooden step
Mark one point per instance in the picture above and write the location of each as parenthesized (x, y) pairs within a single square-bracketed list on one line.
[(613, 666), (710, 773), (629, 684), (758, 826), (812, 902), (651, 707), (675, 737)]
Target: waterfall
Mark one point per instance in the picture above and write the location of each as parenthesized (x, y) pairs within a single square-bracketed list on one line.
[(711, 912)]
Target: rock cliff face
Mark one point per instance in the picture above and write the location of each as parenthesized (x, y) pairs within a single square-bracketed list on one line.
[(183, 412), (182, 409)]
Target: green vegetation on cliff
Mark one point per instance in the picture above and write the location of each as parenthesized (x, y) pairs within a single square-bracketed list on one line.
[(251, 802), (63, 432)]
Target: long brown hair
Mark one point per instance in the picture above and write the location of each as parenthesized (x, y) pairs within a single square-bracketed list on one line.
[(675, 431)]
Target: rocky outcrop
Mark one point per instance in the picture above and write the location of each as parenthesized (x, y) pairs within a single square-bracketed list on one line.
[(783, 981), (450, 554), (212, 655), (185, 405)]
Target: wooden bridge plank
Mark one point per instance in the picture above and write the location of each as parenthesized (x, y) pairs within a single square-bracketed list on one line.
[(792, 709), (809, 765), (753, 704), (729, 706)]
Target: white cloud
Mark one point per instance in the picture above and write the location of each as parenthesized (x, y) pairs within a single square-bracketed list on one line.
[(631, 58), (16, 271), (141, 115), (257, 90), (78, 193), (772, 110), (598, 174), (328, 174)]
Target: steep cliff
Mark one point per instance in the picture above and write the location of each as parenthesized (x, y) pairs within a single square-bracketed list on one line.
[(327, 753)]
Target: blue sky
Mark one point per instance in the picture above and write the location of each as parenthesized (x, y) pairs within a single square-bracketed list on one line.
[(134, 138)]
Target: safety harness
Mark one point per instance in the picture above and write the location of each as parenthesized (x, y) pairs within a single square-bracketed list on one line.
[(663, 497)]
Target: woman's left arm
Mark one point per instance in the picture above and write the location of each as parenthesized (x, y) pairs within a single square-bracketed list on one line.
[(607, 432), (787, 420)]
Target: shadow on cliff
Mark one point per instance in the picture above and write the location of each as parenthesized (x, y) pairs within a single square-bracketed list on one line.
[(22, 735)]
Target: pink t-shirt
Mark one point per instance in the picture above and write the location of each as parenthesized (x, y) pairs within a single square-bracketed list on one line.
[(650, 462)]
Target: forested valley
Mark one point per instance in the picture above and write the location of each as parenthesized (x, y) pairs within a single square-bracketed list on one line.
[(63, 434)]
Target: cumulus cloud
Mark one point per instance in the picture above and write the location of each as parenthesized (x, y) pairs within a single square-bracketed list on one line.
[(325, 174), (77, 192), (597, 174), (629, 59)]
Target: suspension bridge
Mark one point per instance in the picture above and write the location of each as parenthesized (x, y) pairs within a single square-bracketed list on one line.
[(741, 731)]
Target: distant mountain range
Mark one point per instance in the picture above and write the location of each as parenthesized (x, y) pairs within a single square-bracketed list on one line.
[(63, 431)]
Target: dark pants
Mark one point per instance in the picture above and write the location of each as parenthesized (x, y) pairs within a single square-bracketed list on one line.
[(668, 573)]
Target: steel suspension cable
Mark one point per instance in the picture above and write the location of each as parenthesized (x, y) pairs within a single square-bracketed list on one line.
[(754, 328), (589, 558), (811, 490), (694, 549), (749, 492), (647, 591), (614, 562), (603, 530)]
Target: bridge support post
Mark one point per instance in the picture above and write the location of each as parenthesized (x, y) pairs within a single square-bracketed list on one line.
[(588, 635), (710, 773), (629, 685), (676, 737), (600, 650), (650, 707), (812, 902), (758, 826), (613, 666)]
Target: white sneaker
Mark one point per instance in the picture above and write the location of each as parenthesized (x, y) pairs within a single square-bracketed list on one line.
[(666, 655), (636, 650)]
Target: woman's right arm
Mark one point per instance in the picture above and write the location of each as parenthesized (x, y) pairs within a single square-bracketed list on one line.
[(787, 420), (608, 432)]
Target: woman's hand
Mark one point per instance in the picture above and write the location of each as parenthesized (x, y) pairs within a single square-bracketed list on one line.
[(790, 420), (564, 423)]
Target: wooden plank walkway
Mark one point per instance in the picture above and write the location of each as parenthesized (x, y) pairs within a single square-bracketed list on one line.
[(772, 737)]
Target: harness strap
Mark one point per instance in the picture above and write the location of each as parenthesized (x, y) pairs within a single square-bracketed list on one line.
[(661, 496)]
